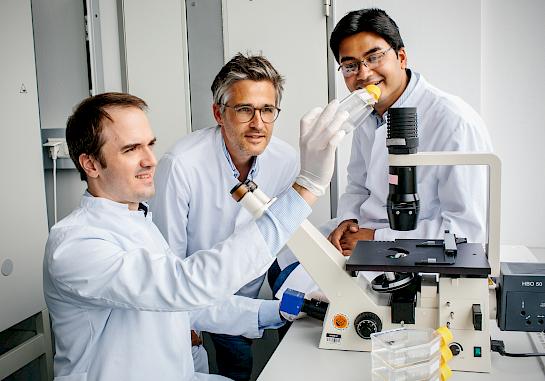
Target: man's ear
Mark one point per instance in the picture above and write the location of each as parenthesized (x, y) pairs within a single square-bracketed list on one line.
[(402, 56), (216, 110), (89, 164)]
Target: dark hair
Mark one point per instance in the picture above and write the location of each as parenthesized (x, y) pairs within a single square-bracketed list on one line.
[(371, 20), (241, 67), (84, 126)]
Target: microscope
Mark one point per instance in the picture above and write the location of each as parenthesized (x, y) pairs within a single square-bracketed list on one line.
[(424, 283)]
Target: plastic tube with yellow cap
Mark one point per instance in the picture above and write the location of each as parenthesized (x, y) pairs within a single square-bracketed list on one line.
[(359, 104)]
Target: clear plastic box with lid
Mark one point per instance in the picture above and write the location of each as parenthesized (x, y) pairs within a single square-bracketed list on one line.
[(423, 371), (402, 347)]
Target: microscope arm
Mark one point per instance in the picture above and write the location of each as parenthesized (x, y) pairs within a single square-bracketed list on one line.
[(325, 264)]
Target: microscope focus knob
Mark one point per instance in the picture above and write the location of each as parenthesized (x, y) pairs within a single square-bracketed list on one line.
[(367, 323), (455, 348)]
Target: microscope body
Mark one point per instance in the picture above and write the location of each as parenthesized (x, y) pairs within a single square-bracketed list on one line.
[(456, 299)]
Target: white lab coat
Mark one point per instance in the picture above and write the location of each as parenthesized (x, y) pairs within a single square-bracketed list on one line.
[(451, 198), (122, 304), (191, 207)]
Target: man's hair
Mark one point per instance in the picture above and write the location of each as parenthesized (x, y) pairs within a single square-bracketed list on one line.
[(371, 20), (241, 67), (84, 126)]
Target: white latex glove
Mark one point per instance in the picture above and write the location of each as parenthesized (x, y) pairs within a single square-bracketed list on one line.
[(320, 134)]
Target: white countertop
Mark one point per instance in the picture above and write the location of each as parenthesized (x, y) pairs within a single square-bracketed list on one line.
[(298, 357)]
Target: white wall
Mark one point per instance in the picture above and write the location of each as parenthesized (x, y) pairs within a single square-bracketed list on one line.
[(513, 104)]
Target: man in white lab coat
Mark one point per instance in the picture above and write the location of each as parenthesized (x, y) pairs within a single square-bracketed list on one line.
[(191, 207), (369, 49), (121, 302)]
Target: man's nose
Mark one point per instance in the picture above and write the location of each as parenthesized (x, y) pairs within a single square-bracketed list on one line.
[(149, 159), (256, 121), (364, 72)]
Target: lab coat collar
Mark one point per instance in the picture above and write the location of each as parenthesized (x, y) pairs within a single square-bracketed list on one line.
[(97, 203), (253, 170), (413, 80)]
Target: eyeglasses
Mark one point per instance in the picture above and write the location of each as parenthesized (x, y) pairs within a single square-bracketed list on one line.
[(245, 113), (350, 68)]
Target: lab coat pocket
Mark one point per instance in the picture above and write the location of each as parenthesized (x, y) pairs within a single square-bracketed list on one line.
[(72, 377)]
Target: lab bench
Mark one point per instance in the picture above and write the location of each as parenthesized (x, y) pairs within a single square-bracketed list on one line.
[(298, 357)]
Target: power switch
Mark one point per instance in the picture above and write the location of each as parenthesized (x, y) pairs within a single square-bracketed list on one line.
[(477, 352), (477, 317)]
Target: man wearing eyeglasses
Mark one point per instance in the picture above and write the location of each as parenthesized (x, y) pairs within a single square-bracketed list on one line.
[(192, 208), (369, 49)]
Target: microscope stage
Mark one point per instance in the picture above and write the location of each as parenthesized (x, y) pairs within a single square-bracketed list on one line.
[(418, 256)]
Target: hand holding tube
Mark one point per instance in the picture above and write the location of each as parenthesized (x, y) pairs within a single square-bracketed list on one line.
[(320, 134)]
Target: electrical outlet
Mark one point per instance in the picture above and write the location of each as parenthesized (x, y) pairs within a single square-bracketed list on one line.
[(63, 147)]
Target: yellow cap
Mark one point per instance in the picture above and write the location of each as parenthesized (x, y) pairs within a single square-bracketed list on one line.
[(374, 90), (446, 335), (445, 371), (446, 354)]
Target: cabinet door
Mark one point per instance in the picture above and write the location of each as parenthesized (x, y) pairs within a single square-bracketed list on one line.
[(61, 59), (293, 36), (24, 222), (156, 65)]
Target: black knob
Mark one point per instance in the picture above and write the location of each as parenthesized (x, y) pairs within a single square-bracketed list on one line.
[(455, 348), (367, 323)]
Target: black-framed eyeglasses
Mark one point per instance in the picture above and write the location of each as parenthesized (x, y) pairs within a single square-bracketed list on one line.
[(245, 113), (372, 61)]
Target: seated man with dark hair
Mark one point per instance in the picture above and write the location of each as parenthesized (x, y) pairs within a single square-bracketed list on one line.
[(369, 49)]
